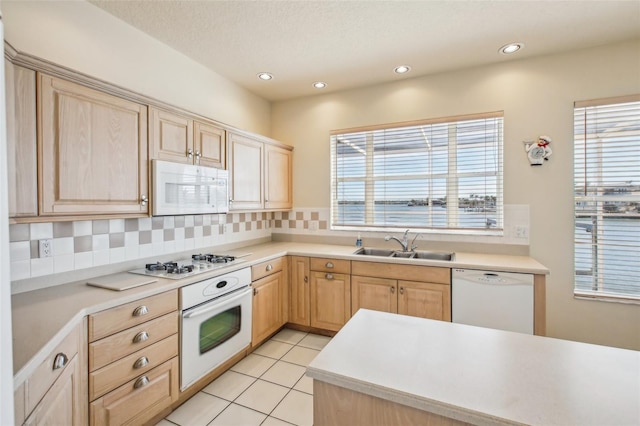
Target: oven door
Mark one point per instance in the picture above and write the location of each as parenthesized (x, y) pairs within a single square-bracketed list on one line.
[(212, 333)]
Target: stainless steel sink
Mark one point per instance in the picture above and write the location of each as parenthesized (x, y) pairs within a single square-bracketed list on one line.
[(418, 254)]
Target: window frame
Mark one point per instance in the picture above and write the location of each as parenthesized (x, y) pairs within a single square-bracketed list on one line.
[(450, 176)]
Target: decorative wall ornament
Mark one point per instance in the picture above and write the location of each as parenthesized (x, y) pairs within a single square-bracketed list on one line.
[(539, 151)]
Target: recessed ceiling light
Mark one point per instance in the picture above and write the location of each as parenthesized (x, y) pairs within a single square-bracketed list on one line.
[(319, 84), (510, 48), (402, 69), (265, 76)]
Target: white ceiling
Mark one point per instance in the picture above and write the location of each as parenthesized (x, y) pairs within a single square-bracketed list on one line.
[(350, 44)]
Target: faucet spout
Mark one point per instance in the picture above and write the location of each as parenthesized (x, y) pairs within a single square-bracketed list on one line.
[(404, 242)]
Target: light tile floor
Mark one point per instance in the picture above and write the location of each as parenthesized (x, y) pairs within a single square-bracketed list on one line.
[(267, 388)]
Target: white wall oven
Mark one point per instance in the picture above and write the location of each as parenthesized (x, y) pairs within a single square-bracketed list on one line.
[(216, 323), (188, 189)]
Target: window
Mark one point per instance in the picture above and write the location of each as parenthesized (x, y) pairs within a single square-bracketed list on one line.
[(443, 174), (607, 198)]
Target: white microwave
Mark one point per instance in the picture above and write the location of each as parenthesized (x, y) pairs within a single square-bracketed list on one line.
[(187, 189)]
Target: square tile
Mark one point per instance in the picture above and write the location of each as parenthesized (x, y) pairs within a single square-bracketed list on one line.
[(62, 229), (116, 225), (19, 232), (82, 228), (20, 250), (164, 422), (305, 384), (301, 356), (272, 421), (296, 408), (100, 227), (42, 266), (20, 270), (284, 373), (273, 349), (40, 231), (237, 415), (262, 396), (63, 263), (63, 246), (229, 385), (289, 336), (199, 410), (314, 341), (253, 365)]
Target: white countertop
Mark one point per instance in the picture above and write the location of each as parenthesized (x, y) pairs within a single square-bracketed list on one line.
[(42, 318), (480, 375)]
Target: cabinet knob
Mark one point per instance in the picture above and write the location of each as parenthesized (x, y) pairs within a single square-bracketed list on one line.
[(198, 155), (306, 279), (144, 200), (328, 276), (141, 362), (141, 337), (140, 311), (60, 361), (269, 267), (190, 153), (393, 289), (142, 381), (329, 265), (401, 290)]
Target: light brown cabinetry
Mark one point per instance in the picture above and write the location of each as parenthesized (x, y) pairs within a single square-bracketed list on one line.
[(55, 394), (421, 291), (260, 175), (20, 89), (133, 360), (92, 151), (320, 292), (180, 139), (270, 299)]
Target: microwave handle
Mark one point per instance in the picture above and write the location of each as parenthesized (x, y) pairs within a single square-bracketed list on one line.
[(206, 309)]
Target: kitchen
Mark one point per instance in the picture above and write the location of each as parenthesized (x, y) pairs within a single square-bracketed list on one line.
[(540, 90)]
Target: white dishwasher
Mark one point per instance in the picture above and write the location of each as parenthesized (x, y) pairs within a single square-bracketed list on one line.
[(502, 300)]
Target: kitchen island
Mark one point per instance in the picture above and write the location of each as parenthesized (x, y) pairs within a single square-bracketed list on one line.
[(388, 369)]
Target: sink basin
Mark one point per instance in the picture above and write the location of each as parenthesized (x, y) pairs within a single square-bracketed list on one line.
[(419, 254)]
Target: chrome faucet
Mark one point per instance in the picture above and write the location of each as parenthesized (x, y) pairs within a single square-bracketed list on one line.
[(404, 242)]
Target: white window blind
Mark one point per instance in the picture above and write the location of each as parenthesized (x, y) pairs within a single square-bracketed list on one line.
[(607, 198), (443, 174)]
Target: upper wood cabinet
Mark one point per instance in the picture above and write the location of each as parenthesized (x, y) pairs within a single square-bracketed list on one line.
[(92, 151), (260, 175), (177, 138), (20, 89)]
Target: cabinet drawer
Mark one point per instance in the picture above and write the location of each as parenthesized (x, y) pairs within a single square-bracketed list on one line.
[(121, 344), (116, 373), (135, 403), (111, 321), (266, 268), (47, 372), (330, 265)]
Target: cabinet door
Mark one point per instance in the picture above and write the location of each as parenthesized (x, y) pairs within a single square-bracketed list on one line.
[(278, 169), (22, 175), (93, 151), (267, 307), (424, 300), (61, 403), (171, 137), (330, 300), (245, 173), (209, 145), (299, 291), (378, 294)]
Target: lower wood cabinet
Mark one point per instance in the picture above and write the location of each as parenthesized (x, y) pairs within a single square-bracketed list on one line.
[(270, 299), (420, 291), (133, 361), (55, 394)]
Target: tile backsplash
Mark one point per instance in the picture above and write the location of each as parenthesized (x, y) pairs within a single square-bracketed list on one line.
[(85, 244)]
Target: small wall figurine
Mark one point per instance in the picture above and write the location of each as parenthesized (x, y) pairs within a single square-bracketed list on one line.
[(538, 152)]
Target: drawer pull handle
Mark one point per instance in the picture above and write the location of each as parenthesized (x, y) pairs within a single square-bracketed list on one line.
[(329, 265), (60, 361), (141, 337), (142, 381), (328, 276), (141, 362), (269, 267), (140, 311)]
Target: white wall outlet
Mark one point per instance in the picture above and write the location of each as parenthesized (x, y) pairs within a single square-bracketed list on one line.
[(522, 232), (45, 248)]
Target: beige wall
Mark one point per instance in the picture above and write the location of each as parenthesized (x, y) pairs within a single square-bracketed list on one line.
[(537, 98), (82, 37)]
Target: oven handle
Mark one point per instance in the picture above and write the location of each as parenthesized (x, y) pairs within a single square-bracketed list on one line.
[(205, 309)]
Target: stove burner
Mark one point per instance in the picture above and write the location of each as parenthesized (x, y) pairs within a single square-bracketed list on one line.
[(184, 269), (159, 267), (212, 258)]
